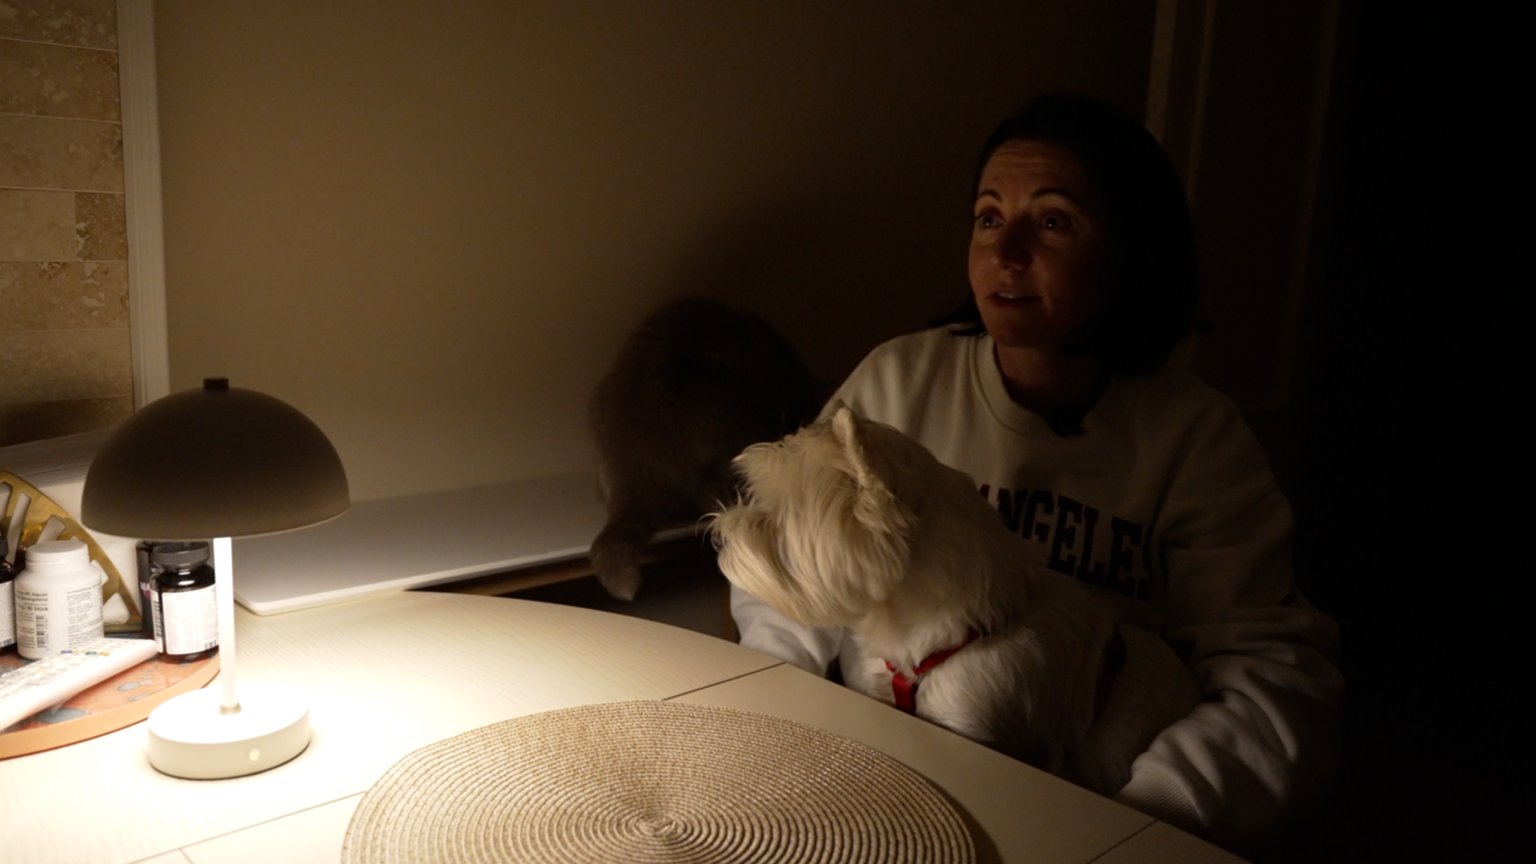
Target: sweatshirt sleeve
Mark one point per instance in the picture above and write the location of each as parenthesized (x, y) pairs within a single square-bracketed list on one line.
[(1263, 746), (766, 630)]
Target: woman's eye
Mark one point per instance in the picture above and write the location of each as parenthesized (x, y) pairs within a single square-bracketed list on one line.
[(1055, 222), (988, 219)]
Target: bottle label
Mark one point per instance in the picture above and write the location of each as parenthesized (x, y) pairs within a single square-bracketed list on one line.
[(155, 619), (31, 621), (84, 610), (188, 621), (49, 621), (7, 614)]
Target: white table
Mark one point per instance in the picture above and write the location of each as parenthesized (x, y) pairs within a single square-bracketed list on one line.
[(389, 674), (386, 545), (412, 541)]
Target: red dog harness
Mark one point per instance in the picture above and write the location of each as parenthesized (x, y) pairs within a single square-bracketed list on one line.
[(904, 687)]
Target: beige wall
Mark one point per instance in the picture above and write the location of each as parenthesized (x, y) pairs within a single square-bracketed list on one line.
[(428, 224), (64, 343)]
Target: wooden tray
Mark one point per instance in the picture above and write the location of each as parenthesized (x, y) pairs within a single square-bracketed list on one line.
[(122, 700)]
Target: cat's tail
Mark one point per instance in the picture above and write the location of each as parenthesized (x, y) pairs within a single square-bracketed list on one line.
[(616, 553)]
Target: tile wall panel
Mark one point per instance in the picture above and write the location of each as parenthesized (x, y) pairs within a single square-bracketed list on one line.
[(63, 295), (101, 227), (33, 421), (37, 225), (65, 346), (58, 81), (54, 153), (45, 365), (88, 23)]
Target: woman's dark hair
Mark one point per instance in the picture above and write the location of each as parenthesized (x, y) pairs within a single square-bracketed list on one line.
[(1154, 282)]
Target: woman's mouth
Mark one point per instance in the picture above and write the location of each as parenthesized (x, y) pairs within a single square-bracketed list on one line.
[(1011, 297)]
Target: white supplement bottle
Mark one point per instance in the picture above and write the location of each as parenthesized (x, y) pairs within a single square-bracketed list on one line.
[(58, 599)]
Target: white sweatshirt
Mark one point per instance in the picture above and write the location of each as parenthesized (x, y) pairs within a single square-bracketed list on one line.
[(1166, 504)]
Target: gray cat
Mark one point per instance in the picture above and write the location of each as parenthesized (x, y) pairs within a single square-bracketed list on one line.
[(695, 384)]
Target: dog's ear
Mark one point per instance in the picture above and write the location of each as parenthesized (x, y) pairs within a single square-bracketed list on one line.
[(888, 521), (870, 466), (845, 427)]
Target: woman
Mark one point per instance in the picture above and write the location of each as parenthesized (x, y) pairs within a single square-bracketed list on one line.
[(1050, 388)]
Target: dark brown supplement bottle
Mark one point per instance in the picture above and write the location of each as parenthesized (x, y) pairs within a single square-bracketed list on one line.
[(7, 600), (185, 606), (146, 564)]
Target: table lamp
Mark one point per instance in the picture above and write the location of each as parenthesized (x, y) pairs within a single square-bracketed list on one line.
[(216, 463)]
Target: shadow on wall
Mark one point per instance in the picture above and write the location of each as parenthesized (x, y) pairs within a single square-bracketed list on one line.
[(817, 273), (870, 264)]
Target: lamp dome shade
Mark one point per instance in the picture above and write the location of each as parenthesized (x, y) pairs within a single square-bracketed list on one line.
[(213, 462)]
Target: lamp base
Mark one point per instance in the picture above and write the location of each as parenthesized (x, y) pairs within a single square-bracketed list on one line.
[(188, 737)]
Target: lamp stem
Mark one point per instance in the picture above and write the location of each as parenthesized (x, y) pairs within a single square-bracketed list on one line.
[(223, 578)]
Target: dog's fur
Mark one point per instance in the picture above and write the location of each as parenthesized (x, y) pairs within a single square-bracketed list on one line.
[(850, 523), (692, 386)]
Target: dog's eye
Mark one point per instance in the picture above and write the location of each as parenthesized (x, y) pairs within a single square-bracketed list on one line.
[(716, 540)]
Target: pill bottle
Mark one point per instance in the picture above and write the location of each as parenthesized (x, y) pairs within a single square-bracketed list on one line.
[(185, 606), (146, 567), (58, 599), (7, 599)]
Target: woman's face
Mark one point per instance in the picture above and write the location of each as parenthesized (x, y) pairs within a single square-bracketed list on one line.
[(1038, 246)]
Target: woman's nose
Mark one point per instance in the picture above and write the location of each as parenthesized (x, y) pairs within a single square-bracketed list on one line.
[(1013, 246)]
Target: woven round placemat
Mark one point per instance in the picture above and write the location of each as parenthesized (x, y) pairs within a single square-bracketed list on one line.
[(662, 782)]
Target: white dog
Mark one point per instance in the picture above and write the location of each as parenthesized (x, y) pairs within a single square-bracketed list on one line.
[(850, 523)]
